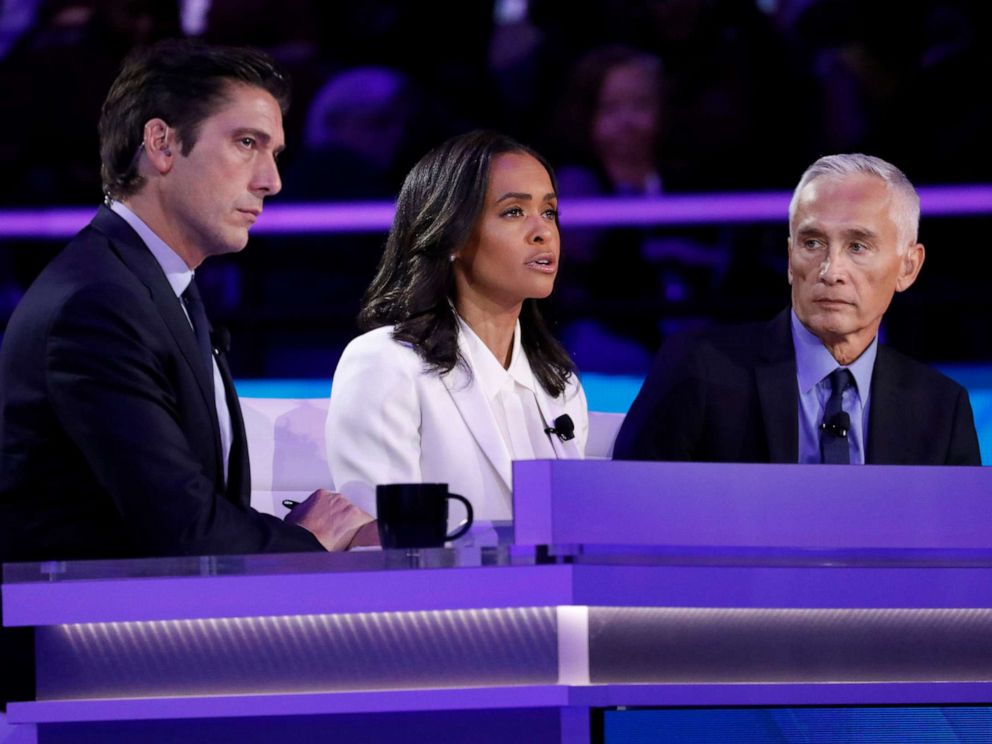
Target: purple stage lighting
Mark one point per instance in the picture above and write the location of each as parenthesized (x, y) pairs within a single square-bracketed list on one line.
[(349, 217)]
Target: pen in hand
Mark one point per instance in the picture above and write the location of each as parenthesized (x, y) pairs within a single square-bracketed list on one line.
[(289, 503)]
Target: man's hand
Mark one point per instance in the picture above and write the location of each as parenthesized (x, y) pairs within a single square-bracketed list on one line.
[(368, 534), (333, 519)]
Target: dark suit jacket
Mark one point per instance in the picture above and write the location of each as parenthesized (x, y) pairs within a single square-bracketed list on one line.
[(109, 434), (731, 395)]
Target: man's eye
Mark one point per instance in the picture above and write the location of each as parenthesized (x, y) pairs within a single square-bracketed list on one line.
[(812, 244), (858, 248), (248, 142)]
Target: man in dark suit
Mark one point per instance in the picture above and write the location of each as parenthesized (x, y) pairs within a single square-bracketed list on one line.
[(814, 385), (120, 430)]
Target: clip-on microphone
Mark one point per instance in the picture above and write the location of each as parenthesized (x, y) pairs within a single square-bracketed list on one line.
[(838, 425), (563, 428), (220, 340)]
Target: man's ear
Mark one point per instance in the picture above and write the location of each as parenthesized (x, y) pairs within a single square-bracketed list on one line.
[(159, 143), (909, 267)]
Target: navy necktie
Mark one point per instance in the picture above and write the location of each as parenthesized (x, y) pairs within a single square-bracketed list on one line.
[(834, 448), (201, 327)]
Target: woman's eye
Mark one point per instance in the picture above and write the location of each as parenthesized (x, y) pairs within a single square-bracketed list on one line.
[(513, 212), (551, 213)]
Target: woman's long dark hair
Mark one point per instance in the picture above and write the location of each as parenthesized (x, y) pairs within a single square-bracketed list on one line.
[(414, 287)]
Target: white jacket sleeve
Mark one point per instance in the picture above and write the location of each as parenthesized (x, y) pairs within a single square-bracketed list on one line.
[(373, 418)]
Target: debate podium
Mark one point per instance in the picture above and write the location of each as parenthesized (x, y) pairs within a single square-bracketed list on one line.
[(629, 585)]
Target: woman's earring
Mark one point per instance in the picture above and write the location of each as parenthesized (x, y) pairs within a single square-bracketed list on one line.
[(451, 258)]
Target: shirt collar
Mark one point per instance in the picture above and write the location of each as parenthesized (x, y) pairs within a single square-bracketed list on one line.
[(176, 271), (488, 372), (814, 361)]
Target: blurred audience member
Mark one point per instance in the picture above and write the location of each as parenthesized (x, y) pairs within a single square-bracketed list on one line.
[(16, 18), (355, 129), (287, 29), (737, 105), (53, 82), (611, 125), (910, 95), (612, 121)]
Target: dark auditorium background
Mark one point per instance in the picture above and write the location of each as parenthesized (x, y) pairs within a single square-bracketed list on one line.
[(735, 96)]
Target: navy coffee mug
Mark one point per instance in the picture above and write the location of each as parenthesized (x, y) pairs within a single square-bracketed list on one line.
[(415, 515)]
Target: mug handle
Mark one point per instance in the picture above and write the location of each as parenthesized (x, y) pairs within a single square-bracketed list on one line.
[(463, 527)]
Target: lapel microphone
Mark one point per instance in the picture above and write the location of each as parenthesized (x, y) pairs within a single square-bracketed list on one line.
[(220, 340), (838, 425), (563, 428)]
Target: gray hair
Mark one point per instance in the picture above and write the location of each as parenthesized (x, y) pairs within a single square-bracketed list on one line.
[(837, 166)]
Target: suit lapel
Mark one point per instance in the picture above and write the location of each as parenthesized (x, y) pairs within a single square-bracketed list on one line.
[(136, 256), (238, 472), (142, 263), (478, 417), (775, 377), (886, 414)]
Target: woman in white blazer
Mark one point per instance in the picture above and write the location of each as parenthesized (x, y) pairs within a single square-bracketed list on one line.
[(457, 374)]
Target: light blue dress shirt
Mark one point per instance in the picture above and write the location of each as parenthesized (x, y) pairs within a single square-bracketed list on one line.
[(814, 363)]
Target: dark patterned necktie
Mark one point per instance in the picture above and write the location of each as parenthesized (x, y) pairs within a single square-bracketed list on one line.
[(834, 448)]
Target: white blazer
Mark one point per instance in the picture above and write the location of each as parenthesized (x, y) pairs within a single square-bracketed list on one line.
[(393, 420)]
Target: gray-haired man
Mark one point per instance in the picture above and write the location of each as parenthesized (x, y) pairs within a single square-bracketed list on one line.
[(814, 385)]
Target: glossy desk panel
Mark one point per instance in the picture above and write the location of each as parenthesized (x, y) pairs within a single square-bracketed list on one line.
[(718, 505), (755, 585)]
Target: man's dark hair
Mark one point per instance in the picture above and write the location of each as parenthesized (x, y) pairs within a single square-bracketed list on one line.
[(183, 83), (414, 287)]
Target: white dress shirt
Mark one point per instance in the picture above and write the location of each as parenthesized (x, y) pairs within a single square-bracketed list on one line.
[(510, 393)]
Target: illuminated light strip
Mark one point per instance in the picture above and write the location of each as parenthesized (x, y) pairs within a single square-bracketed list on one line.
[(326, 218), (573, 644), (698, 209), (43, 223)]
